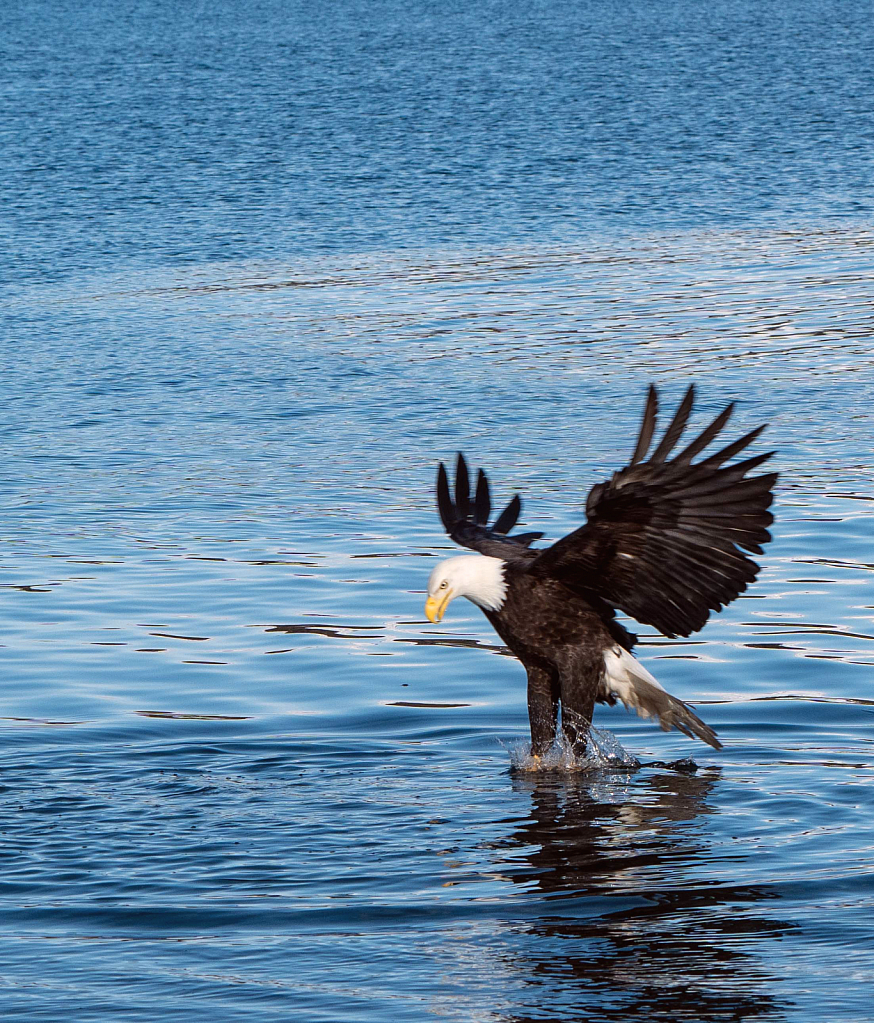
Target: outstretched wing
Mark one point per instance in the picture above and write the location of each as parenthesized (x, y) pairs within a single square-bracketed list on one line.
[(665, 538), (466, 520)]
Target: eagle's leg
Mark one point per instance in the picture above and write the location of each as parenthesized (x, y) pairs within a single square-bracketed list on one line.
[(575, 722), (542, 707), (579, 677)]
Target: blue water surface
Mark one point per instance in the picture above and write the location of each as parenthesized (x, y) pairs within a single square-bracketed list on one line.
[(265, 264)]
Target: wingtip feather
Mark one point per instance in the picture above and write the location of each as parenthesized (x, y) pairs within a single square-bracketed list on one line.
[(482, 506), (462, 487), (647, 426), (444, 500), (676, 427), (509, 516), (706, 436)]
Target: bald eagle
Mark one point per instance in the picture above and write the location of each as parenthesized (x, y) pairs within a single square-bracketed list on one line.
[(664, 543)]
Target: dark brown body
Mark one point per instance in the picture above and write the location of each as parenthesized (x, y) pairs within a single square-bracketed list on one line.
[(562, 653)]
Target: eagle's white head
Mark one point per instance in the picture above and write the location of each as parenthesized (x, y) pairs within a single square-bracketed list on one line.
[(474, 576)]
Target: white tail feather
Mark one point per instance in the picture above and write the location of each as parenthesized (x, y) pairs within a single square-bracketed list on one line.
[(627, 680)]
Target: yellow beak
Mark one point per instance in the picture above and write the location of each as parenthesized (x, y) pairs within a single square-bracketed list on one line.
[(436, 606)]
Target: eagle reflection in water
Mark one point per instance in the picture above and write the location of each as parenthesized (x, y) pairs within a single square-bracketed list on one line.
[(633, 924)]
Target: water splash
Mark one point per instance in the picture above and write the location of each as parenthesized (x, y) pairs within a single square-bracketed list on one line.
[(604, 753)]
